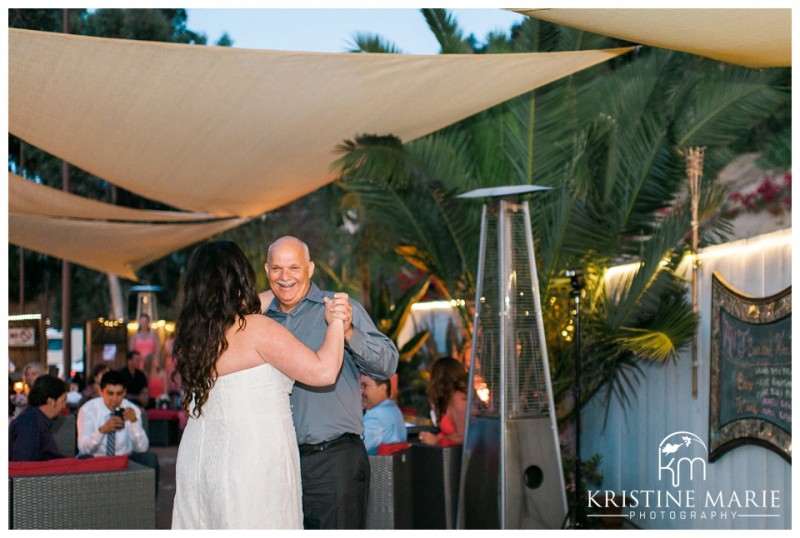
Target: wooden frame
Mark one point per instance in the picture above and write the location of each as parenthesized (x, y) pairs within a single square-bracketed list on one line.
[(751, 370)]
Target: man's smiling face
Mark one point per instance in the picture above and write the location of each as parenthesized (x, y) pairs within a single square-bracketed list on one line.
[(289, 271)]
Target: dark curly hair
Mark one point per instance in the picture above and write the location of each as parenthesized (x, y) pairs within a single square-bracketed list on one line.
[(447, 376), (218, 291)]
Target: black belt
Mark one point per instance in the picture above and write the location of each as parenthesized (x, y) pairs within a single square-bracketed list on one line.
[(306, 449)]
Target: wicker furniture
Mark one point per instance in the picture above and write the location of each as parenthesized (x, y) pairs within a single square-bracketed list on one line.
[(121, 499), (389, 503)]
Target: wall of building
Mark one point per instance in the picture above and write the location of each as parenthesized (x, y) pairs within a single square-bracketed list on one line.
[(629, 439)]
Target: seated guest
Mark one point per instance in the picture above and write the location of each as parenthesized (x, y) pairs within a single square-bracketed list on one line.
[(383, 421), (132, 377), (447, 394), (29, 435), (112, 426), (74, 395), (144, 400), (12, 397), (30, 373)]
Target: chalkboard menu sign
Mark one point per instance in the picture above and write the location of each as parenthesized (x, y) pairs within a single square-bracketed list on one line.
[(751, 370)]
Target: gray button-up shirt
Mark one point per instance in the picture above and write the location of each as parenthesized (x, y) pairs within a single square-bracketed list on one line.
[(324, 413)]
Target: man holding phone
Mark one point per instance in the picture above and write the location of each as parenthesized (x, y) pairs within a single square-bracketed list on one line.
[(111, 425)]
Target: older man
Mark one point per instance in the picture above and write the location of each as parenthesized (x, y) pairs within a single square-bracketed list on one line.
[(333, 461)]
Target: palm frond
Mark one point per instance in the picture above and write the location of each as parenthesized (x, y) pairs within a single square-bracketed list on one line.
[(373, 43), (446, 31), (647, 344), (411, 347), (379, 159), (728, 102), (403, 306), (778, 153), (444, 158), (632, 290)]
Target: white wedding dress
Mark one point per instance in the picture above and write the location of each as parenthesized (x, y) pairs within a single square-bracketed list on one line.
[(238, 465)]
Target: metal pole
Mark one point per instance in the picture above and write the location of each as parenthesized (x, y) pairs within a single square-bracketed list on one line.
[(21, 280), (504, 267), (21, 250), (577, 282), (460, 515), (576, 294), (66, 288)]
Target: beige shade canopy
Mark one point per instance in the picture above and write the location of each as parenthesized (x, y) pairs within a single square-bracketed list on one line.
[(113, 247), (25, 197), (236, 131), (748, 37), (81, 232), (223, 131)]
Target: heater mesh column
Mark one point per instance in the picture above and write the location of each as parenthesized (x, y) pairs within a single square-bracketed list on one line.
[(511, 463)]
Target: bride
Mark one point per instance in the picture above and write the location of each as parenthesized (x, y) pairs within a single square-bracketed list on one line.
[(238, 464)]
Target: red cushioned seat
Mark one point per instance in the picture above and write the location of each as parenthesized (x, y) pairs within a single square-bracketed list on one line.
[(67, 466), (162, 414), (410, 411), (388, 449)]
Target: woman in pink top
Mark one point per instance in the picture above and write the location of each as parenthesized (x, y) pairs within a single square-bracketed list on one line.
[(147, 343), (447, 394)]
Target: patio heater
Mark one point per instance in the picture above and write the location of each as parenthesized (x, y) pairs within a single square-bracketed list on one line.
[(511, 474), (146, 301)]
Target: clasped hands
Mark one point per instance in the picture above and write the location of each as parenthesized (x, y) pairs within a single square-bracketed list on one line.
[(339, 307)]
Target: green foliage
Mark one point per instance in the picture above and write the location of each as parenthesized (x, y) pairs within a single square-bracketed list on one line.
[(446, 31), (365, 42), (142, 24), (590, 478), (607, 141), (46, 20)]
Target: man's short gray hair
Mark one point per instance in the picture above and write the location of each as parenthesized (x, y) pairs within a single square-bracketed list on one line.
[(289, 238)]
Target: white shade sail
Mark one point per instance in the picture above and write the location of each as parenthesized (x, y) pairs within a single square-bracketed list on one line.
[(25, 197), (113, 247), (748, 37), (222, 131), (235, 131)]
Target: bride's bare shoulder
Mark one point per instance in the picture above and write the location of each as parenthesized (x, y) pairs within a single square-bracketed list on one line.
[(266, 298), (260, 321)]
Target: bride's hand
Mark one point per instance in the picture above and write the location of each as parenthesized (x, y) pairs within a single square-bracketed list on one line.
[(339, 308)]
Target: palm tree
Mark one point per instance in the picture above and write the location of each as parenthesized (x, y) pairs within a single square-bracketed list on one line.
[(606, 139)]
